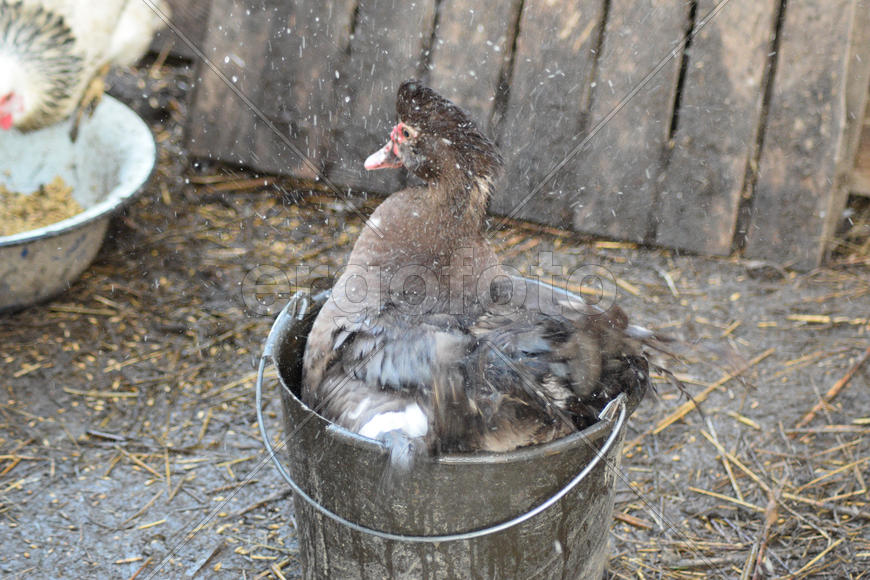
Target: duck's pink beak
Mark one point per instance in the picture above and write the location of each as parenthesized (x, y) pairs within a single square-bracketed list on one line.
[(384, 158), (387, 156)]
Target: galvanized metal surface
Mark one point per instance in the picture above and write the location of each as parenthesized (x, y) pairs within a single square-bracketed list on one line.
[(348, 474), (107, 165)]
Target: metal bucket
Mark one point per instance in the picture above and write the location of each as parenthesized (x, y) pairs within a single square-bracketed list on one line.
[(537, 512)]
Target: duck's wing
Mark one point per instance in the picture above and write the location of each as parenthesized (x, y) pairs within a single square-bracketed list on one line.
[(386, 377), (520, 375), (535, 377), (621, 346)]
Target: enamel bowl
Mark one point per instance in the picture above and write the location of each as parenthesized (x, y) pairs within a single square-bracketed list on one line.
[(106, 166)]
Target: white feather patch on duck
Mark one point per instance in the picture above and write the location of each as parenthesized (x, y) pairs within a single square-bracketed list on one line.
[(412, 422)]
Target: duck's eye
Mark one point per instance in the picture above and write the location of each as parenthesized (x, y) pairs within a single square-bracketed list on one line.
[(405, 133)]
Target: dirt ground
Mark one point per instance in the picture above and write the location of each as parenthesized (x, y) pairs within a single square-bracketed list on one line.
[(128, 438)]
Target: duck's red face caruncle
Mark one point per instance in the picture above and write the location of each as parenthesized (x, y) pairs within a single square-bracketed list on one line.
[(390, 155)]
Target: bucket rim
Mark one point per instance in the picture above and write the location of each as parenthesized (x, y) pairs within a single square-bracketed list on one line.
[(590, 435)]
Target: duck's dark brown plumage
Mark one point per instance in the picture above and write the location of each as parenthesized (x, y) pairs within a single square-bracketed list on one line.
[(424, 363)]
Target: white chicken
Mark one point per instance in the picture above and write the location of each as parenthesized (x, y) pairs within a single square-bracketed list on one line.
[(55, 53)]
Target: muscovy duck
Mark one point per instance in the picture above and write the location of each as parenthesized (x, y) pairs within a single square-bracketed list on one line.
[(414, 346)]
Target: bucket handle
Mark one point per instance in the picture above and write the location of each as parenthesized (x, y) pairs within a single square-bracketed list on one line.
[(296, 308)]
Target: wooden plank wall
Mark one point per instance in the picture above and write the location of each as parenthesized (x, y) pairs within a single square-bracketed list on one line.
[(683, 157)]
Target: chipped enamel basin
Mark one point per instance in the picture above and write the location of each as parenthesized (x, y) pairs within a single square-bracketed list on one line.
[(107, 166)]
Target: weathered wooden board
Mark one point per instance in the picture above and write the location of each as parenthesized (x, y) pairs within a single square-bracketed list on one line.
[(860, 181), (387, 47), (306, 52), (797, 203), (613, 193), (857, 98), (719, 119), (190, 17), (471, 48), (281, 58), (549, 101), (234, 46)]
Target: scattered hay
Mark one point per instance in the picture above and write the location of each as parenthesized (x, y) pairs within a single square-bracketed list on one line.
[(51, 203)]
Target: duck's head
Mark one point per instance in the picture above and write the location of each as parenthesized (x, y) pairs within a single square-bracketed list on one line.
[(437, 141)]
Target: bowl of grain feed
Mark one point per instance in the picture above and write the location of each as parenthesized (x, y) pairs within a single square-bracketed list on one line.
[(57, 196)]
